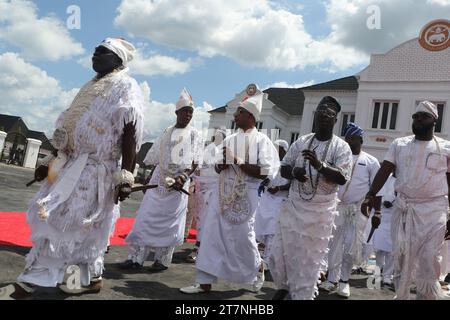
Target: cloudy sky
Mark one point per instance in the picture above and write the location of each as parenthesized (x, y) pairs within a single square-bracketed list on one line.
[(213, 47)]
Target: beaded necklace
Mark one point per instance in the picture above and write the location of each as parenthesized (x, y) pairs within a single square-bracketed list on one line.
[(302, 186)]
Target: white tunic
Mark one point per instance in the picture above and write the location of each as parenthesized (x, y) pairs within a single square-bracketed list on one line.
[(78, 227), (161, 218), (382, 239), (269, 208), (305, 226), (206, 183), (365, 168), (229, 250), (420, 213), (349, 236)]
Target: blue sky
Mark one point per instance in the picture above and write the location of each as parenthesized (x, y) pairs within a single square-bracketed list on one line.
[(215, 48)]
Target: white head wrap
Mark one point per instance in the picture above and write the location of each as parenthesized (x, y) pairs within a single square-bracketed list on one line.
[(185, 100), (282, 143), (124, 49), (253, 105), (428, 107)]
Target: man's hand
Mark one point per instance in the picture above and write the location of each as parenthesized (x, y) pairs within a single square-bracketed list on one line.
[(273, 190), (300, 174), (311, 156), (179, 182), (41, 173), (376, 220), (367, 205), (124, 191)]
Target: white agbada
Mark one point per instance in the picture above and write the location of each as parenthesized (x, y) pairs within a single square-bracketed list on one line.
[(80, 203), (161, 218), (346, 246), (304, 230), (229, 250), (208, 182), (382, 237), (420, 213), (269, 208)]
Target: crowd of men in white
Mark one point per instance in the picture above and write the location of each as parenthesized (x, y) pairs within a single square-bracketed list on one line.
[(311, 206)]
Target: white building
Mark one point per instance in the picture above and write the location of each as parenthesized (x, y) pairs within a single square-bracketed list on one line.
[(381, 98)]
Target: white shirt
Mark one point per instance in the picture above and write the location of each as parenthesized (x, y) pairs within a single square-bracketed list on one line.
[(365, 168), (176, 153), (260, 152), (339, 156), (421, 166)]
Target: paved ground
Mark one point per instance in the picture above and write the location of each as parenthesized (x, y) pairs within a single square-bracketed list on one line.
[(14, 196)]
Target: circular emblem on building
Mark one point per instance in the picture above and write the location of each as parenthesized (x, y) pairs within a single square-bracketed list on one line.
[(251, 89), (435, 36)]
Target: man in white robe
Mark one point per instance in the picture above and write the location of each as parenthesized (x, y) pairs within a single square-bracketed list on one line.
[(316, 163), (422, 166), (206, 182), (73, 213), (270, 205), (161, 218), (382, 239), (346, 245), (229, 250)]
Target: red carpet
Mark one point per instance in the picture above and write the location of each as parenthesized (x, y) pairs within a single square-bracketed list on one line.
[(14, 230)]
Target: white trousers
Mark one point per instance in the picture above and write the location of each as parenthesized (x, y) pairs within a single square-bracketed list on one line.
[(385, 261), (140, 253), (267, 240)]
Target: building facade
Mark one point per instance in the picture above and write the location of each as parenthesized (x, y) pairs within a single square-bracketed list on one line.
[(381, 98)]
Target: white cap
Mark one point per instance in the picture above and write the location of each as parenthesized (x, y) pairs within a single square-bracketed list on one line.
[(253, 105), (124, 49), (428, 107), (185, 100)]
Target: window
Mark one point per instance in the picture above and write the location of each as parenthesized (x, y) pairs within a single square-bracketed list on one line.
[(384, 115), (294, 136), (346, 118), (259, 125), (440, 106), (233, 125)]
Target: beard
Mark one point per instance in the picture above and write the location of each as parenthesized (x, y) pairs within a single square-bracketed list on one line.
[(422, 130)]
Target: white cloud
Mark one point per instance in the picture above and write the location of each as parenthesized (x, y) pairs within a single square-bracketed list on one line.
[(284, 84), (159, 115), (158, 65), (38, 37), (151, 65), (255, 33), (401, 20), (31, 93)]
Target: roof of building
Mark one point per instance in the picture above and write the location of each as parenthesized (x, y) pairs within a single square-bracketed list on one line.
[(287, 99), (347, 83), (7, 122), (219, 110), (291, 100)]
